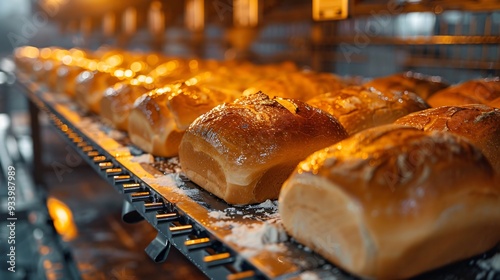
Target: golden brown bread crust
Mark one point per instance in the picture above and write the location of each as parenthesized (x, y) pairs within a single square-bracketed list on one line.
[(119, 99), (301, 85), (392, 202), (480, 124), (151, 126), (480, 91), (423, 85), (358, 108), (243, 151), (90, 87)]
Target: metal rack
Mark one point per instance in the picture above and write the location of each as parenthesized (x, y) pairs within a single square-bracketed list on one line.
[(181, 212)]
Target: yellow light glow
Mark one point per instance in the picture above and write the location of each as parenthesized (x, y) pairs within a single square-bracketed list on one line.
[(119, 73), (63, 218), (161, 70), (136, 66), (29, 52), (114, 60), (128, 73), (195, 14), (76, 53), (92, 65), (45, 53), (67, 59), (141, 78), (152, 59), (134, 82), (193, 64), (102, 67), (149, 80), (246, 13), (192, 81)]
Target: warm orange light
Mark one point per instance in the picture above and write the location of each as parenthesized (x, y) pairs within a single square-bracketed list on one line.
[(63, 218), (92, 65), (119, 73), (195, 14), (246, 13), (136, 66), (193, 64), (114, 60), (45, 53), (129, 20), (28, 52), (128, 73)]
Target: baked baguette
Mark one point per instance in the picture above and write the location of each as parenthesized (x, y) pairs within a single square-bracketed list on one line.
[(480, 124), (393, 201), (423, 85), (358, 108), (243, 151), (480, 91)]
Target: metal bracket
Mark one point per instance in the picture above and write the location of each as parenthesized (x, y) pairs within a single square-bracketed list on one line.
[(129, 214), (159, 248)]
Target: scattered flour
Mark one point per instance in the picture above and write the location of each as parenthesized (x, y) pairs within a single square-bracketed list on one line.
[(145, 158), (260, 236), (490, 267), (218, 215), (309, 275), (173, 182), (116, 135), (162, 180)]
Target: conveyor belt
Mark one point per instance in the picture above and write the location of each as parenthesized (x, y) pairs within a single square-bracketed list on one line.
[(200, 225)]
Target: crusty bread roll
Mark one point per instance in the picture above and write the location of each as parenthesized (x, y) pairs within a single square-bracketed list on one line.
[(480, 124), (358, 108), (480, 91), (243, 151), (392, 202), (423, 85)]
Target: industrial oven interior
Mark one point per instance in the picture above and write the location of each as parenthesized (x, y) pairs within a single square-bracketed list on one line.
[(250, 139)]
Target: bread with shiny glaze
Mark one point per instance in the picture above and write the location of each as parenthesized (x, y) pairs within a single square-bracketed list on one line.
[(358, 108), (393, 201), (420, 84), (479, 91), (480, 124), (243, 151)]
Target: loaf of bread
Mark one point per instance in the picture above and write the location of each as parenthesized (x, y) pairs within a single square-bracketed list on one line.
[(358, 108), (423, 85), (480, 124), (392, 202), (90, 87), (243, 151), (480, 91), (180, 107), (301, 85), (119, 99)]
